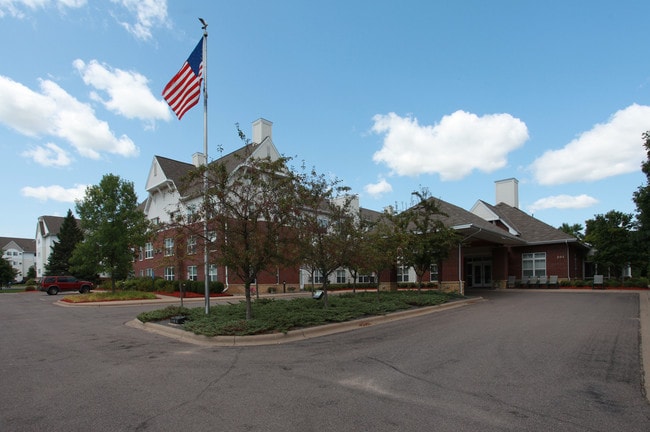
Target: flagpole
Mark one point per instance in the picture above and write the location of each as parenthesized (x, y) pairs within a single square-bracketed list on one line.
[(206, 272)]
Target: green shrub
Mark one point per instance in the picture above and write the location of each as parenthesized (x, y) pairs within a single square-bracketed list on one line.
[(271, 315)]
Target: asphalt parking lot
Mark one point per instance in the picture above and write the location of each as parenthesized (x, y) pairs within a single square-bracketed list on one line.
[(532, 361)]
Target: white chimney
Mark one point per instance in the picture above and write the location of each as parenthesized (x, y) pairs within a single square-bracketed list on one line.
[(198, 159), (261, 130), (507, 191)]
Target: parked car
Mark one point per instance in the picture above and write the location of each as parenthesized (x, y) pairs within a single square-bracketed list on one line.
[(53, 284)]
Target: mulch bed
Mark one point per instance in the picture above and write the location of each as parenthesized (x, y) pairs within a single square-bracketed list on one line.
[(192, 294), (607, 288)]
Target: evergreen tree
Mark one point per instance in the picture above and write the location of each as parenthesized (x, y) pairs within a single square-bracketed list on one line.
[(7, 272), (70, 234)]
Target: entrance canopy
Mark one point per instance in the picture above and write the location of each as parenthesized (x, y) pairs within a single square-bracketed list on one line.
[(488, 233)]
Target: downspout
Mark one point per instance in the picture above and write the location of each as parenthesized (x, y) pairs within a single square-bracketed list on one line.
[(568, 262)]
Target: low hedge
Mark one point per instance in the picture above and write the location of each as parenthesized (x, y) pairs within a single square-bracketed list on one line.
[(161, 285)]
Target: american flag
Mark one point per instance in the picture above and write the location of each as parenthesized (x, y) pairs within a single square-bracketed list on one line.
[(184, 90)]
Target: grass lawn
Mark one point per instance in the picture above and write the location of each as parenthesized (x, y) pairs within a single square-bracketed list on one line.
[(13, 289), (271, 316)]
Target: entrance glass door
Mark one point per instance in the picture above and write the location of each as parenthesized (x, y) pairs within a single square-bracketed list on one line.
[(479, 273)]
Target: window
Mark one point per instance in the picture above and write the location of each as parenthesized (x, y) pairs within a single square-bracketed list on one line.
[(322, 222), (533, 264), (191, 214), (433, 273), (212, 273), (366, 279), (212, 239), (191, 273), (169, 273), (191, 245), (340, 276), (149, 273), (402, 273), (318, 277), (148, 250), (169, 246)]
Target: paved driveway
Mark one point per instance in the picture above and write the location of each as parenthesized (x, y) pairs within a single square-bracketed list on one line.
[(519, 361)]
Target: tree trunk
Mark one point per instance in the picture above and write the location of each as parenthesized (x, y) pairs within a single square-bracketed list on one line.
[(249, 306)]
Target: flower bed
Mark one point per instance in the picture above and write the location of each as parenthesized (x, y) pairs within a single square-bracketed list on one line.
[(191, 294)]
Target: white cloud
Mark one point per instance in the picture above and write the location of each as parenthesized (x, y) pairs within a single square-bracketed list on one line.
[(55, 193), (563, 202), (16, 8), (49, 155), (55, 113), (377, 189), (607, 150), (460, 143), (148, 14), (128, 92)]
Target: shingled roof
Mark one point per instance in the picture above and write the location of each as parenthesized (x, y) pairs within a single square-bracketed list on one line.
[(50, 225), (534, 231), (175, 170), (27, 245), (525, 226), (472, 226)]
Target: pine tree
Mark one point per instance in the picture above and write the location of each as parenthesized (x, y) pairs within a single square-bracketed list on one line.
[(70, 234)]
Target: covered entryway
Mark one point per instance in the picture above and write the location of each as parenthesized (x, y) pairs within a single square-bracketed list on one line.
[(478, 272)]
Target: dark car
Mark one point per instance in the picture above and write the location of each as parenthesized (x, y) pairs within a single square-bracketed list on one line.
[(53, 284)]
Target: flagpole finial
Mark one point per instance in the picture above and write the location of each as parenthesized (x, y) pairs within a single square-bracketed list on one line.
[(205, 24)]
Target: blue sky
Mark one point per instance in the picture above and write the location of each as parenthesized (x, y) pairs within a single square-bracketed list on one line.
[(387, 96)]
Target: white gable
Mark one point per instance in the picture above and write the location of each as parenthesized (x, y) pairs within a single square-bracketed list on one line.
[(483, 211), (156, 176)]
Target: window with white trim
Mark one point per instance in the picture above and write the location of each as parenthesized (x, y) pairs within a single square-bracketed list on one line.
[(402, 273), (212, 273), (366, 279), (148, 250), (169, 246), (169, 273), (340, 276), (191, 245), (318, 277), (192, 273), (433, 273), (533, 264)]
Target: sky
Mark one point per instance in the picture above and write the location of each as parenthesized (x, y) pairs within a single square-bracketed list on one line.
[(388, 97)]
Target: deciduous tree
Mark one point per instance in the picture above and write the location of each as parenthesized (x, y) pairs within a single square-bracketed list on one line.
[(642, 200), (611, 236), (326, 225), (425, 239), (575, 230), (113, 226)]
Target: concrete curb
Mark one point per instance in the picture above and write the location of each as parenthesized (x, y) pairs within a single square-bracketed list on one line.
[(293, 335), (169, 300), (644, 316)]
